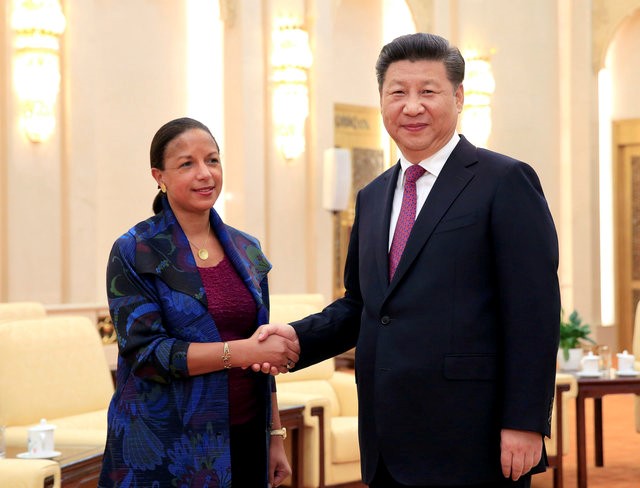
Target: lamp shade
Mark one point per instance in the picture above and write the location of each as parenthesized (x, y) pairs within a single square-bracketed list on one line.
[(336, 182)]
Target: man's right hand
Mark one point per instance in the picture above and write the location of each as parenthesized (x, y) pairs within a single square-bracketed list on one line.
[(284, 330)]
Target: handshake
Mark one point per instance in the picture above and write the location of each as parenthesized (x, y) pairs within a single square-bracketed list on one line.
[(276, 349)]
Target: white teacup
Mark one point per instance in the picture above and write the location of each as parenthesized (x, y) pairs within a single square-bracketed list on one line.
[(625, 361), (40, 440), (590, 363)]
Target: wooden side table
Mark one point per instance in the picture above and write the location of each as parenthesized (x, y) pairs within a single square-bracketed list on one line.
[(291, 417), (81, 468), (596, 388), (80, 465)]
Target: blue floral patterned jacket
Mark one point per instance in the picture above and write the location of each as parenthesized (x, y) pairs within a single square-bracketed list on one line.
[(167, 428)]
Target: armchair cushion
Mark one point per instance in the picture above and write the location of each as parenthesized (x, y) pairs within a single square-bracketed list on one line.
[(344, 386), (344, 440), (83, 429), (54, 368)]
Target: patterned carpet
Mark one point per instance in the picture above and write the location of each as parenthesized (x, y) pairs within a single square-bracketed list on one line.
[(621, 448)]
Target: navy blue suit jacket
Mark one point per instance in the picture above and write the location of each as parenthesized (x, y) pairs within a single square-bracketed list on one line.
[(463, 341)]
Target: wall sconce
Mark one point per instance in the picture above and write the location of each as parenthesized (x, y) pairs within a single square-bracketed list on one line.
[(37, 25), (290, 59), (479, 85)]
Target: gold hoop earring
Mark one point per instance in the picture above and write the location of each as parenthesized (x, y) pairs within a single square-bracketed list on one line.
[(163, 188)]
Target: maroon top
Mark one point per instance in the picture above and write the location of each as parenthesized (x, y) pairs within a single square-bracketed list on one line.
[(234, 312)]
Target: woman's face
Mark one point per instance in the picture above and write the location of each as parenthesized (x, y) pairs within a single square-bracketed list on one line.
[(192, 172)]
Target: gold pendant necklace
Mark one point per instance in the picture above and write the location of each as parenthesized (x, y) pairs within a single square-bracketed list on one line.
[(202, 251)]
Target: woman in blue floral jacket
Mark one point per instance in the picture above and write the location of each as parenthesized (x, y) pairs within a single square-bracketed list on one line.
[(186, 294)]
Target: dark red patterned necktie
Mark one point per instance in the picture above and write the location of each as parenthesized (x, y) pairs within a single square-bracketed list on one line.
[(406, 218)]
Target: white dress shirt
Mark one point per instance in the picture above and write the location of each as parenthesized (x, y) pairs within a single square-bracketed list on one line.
[(433, 166)]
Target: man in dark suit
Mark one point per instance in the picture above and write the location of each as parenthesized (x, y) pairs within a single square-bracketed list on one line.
[(456, 348)]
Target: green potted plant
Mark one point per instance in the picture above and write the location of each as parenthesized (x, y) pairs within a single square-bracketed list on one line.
[(573, 333)]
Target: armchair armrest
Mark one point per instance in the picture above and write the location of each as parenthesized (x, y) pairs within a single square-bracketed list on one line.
[(567, 379), (309, 400), (567, 389), (317, 421), (556, 444), (29, 473)]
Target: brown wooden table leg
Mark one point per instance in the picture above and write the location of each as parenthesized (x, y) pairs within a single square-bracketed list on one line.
[(319, 412), (296, 458), (558, 481), (581, 442), (597, 425)]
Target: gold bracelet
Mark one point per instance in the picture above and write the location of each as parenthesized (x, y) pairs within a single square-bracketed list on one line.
[(226, 356)]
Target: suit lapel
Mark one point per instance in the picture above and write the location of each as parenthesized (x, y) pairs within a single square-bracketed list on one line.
[(451, 181), (382, 252)]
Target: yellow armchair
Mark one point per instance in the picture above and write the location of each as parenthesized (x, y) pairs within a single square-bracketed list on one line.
[(54, 368), (332, 455), (331, 451), (29, 473)]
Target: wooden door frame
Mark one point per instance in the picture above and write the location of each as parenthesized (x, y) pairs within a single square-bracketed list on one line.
[(626, 135)]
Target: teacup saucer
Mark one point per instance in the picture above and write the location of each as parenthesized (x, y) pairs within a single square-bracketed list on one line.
[(629, 372), (589, 374), (40, 455)]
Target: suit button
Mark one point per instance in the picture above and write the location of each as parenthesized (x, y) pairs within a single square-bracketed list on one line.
[(385, 320)]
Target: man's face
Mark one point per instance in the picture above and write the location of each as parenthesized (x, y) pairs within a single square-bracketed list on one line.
[(419, 107)]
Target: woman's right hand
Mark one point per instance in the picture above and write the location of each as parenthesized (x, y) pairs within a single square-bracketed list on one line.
[(264, 332)]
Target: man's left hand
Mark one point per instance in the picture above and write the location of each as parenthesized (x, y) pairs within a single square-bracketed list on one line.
[(520, 450)]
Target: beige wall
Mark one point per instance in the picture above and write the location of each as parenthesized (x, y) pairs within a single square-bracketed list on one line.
[(124, 63), (32, 193), (120, 88), (279, 201), (4, 89), (624, 63), (123, 69)]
